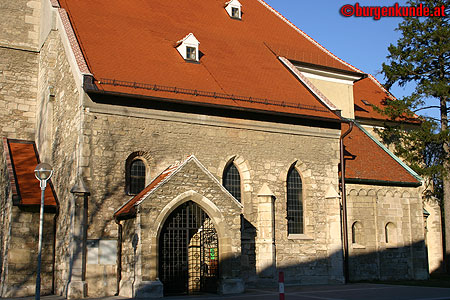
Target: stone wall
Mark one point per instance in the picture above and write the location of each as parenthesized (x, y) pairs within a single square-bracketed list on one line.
[(57, 142), (22, 253), (5, 219), (434, 238), (388, 238), (19, 36), (189, 183), (129, 257), (257, 152), (22, 18), (18, 86)]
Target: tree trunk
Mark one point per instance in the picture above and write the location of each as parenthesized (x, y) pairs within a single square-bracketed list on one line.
[(446, 185)]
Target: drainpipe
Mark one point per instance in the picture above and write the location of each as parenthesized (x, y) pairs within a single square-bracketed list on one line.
[(119, 256), (344, 204)]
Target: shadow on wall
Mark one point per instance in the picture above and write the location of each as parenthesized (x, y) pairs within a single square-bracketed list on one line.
[(400, 263), (98, 226)]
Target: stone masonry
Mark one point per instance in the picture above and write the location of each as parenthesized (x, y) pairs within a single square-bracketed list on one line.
[(189, 183), (381, 251)]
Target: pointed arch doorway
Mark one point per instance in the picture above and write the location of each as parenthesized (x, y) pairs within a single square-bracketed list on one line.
[(188, 252)]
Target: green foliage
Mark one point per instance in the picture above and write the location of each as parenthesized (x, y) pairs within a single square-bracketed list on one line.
[(422, 57)]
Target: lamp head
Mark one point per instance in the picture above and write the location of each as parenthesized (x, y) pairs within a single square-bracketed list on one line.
[(43, 171)]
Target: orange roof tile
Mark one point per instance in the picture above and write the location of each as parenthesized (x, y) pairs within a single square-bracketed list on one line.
[(367, 90), (134, 41), (368, 93), (22, 158), (366, 160), (128, 207)]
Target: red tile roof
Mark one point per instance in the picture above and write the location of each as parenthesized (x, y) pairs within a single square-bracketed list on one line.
[(128, 207), (369, 90), (22, 158), (134, 41), (366, 160)]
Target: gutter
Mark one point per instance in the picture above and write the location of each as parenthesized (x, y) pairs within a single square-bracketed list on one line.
[(344, 202)]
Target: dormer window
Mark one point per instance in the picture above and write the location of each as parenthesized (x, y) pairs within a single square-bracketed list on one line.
[(233, 9), (188, 47), (235, 13), (191, 53)]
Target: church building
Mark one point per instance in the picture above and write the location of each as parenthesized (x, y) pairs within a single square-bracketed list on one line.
[(197, 146)]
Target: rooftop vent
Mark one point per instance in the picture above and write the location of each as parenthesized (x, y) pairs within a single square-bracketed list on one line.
[(188, 47), (233, 9)]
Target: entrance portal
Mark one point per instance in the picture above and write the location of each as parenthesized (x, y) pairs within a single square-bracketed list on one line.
[(188, 252)]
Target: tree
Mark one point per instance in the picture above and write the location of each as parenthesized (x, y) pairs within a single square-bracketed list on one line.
[(422, 57)]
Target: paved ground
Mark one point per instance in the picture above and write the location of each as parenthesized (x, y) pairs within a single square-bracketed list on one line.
[(361, 291)]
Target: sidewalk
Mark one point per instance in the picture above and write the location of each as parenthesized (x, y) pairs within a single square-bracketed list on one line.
[(358, 291)]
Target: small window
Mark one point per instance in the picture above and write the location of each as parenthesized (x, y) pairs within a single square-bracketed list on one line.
[(294, 202), (191, 53), (137, 176), (235, 13), (232, 181), (233, 9), (365, 102), (188, 47)]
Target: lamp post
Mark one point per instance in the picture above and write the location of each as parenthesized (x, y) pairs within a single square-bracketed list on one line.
[(43, 172)]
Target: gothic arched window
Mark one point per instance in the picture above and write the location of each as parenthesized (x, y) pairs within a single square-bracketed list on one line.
[(232, 181), (294, 202)]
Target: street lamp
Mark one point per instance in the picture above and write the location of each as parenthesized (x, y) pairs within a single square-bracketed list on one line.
[(43, 172)]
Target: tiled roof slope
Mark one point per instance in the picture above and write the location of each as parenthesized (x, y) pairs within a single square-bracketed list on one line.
[(371, 91), (134, 41), (22, 158), (368, 89), (128, 207), (366, 160)]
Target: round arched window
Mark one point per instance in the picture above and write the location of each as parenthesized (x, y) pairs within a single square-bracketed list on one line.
[(137, 176)]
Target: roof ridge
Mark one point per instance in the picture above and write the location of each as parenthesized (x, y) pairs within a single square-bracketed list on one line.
[(325, 50)]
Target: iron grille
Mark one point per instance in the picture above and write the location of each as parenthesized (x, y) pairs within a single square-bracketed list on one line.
[(232, 181), (294, 202), (188, 252)]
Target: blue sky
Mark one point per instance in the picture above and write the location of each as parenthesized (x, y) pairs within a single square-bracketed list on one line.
[(360, 41)]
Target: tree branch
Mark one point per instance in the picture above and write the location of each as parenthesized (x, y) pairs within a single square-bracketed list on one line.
[(426, 107)]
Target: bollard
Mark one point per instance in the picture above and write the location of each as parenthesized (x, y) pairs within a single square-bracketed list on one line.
[(281, 285)]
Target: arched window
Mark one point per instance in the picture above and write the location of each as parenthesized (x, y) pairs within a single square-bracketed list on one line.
[(232, 181), (357, 234), (294, 202), (390, 232), (136, 177)]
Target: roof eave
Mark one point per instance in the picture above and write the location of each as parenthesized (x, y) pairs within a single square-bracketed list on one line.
[(382, 182), (89, 90)]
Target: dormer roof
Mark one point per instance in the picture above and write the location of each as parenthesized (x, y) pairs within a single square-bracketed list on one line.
[(188, 47), (234, 9)]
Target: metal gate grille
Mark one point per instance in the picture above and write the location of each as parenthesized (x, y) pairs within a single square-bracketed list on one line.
[(188, 252)]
